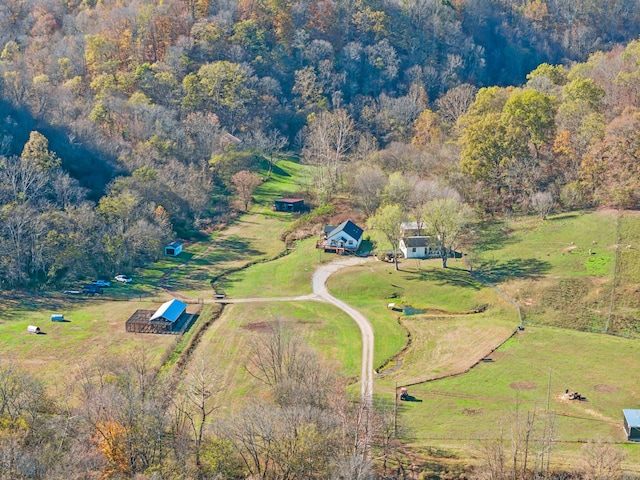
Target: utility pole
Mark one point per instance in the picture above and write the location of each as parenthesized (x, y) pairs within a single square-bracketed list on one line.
[(549, 391), (395, 412)]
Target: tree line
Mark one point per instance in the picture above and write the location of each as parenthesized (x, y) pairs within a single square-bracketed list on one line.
[(125, 420), (153, 107)]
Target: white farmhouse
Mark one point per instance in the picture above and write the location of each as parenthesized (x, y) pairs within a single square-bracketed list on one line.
[(346, 237), (417, 247)]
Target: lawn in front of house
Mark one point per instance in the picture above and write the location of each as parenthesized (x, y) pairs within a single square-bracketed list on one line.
[(425, 285)]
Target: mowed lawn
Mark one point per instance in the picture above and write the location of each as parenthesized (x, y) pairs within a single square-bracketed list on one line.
[(94, 332), (461, 411), (286, 276), (227, 343), (424, 285), (252, 237)]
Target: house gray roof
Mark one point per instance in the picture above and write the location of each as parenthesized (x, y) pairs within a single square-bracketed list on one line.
[(347, 227), (170, 310), (412, 225), (414, 242), (632, 417)]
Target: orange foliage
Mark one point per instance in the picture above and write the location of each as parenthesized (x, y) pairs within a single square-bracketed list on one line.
[(111, 439)]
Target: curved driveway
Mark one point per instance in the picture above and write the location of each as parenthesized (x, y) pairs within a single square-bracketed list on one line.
[(321, 294), (319, 281)]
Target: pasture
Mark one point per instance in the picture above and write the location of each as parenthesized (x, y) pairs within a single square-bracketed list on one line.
[(424, 285), (458, 413), (227, 343), (94, 331), (561, 272)]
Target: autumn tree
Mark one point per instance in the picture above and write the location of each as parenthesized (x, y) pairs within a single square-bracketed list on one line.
[(36, 150)]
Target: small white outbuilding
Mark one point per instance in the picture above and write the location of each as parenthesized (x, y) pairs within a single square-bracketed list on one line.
[(33, 329)]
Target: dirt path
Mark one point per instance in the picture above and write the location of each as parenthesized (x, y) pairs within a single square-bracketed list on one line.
[(321, 294)]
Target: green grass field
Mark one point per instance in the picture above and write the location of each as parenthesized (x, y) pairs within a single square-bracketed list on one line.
[(424, 285), (95, 331), (561, 270), (286, 276), (227, 343), (252, 237), (460, 411)]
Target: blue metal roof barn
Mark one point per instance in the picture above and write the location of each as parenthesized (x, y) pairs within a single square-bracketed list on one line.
[(170, 311)]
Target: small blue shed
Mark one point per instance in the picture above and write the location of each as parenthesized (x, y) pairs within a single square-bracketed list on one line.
[(173, 249), (632, 424)]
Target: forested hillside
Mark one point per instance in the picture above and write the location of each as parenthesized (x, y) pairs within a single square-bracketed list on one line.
[(143, 109)]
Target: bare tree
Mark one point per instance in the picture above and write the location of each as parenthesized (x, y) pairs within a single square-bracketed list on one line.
[(245, 183), (196, 402), (456, 102), (368, 186), (542, 203), (329, 139), (270, 145), (601, 461)]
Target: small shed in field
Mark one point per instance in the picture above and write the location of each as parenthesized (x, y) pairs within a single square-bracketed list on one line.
[(173, 249), (33, 329), (288, 205), (632, 424), (57, 317)]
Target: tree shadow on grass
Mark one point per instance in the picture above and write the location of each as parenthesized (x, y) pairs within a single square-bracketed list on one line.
[(453, 276), (495, 271), (492, 235), (235, 248), (279, 171)]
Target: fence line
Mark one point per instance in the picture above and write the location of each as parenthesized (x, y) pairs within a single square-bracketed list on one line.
[(479, 360), (615, 274), (460, 371)]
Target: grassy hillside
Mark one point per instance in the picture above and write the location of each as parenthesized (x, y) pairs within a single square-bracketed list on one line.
[(561, 270), (459, 412)]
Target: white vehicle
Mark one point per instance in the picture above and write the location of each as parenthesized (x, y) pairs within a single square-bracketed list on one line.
[(123, 279), (101, 283)]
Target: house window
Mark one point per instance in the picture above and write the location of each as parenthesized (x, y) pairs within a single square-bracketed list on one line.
[(413, 249)]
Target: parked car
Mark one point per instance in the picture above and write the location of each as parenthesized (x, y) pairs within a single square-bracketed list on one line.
[(91, 289), (123, 279), (101, 283)]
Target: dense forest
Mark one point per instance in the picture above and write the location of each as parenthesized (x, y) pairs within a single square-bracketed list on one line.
[(124, 121)]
